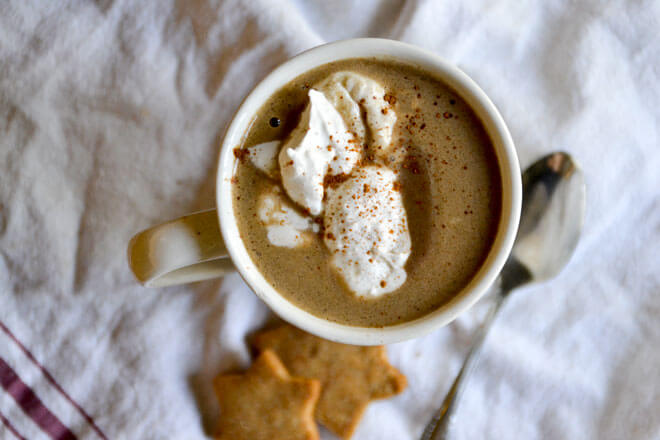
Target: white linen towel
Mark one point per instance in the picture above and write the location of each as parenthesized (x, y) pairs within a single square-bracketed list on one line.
[(111, 113)]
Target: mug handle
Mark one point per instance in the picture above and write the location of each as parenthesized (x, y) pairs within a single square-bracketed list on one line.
[(180, 251)]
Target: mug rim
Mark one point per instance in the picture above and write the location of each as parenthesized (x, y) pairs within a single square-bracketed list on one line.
[(497, 132)]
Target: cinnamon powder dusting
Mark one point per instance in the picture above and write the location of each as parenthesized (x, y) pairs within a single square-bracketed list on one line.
[(333, 181), (390, 99), (241, 153)]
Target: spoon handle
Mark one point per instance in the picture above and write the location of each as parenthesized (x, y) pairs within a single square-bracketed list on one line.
[(439, 426)]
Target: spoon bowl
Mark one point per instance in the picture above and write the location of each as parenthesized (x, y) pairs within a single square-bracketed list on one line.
[(552, 215)]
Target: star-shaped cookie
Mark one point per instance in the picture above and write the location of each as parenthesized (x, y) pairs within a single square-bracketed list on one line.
[(266, 403), (350, 375)]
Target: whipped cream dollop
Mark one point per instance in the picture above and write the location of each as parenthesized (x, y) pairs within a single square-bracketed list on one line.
[(366, 230), (264, 158), (284, 225), (331, 136), (321, 144), (321, 169), (352, 95)]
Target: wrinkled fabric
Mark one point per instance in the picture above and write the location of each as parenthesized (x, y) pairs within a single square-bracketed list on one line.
[(111, 114)]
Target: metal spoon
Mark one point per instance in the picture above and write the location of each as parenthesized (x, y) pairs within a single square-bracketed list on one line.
[(550, 225)]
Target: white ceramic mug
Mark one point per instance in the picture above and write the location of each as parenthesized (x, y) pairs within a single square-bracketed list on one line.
[(207, 244)]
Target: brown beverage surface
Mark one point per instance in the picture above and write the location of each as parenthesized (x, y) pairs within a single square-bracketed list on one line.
[(451, 190)]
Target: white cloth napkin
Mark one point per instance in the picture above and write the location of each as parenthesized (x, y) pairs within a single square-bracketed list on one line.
[(110, 119)]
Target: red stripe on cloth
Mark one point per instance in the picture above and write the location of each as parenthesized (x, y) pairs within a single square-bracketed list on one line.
[(10, 427), (32, 405), (52, 381)]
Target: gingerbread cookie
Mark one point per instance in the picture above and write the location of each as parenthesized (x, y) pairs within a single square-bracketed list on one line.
[(266, 403), (350, 376)]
